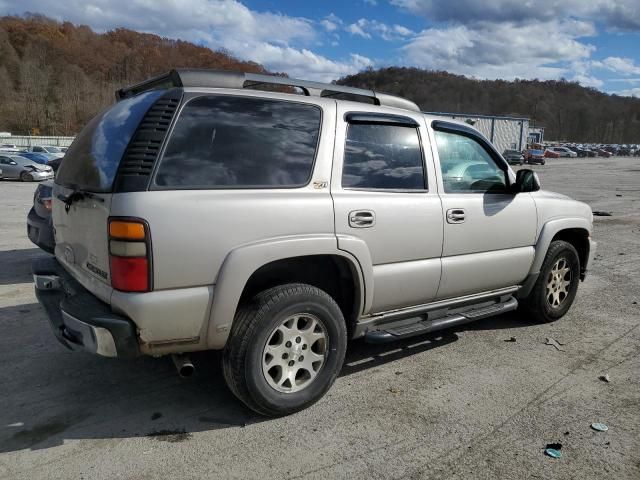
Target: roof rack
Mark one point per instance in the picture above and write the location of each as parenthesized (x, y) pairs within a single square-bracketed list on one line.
[(227, 79)]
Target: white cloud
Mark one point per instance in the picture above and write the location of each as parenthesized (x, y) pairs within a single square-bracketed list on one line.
[(484, 51), (588, 81), (373, 3), (275, 40), (617, 14), (366, 28), (625, 66), (631, 92), (357, 29)]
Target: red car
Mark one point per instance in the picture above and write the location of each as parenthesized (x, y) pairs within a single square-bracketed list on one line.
[(604, 153), (551, 154), (533, 155)]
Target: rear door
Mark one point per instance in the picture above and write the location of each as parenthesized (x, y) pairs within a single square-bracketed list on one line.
[(384, 194), (83, 188), (489, 232)]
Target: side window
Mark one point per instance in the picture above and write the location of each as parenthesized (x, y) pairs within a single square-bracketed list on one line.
[(467, 167), (226, 141), (38, 149), (378, 156)]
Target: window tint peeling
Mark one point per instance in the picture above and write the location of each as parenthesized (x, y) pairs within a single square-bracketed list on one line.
[(226, 141), (383, 157)]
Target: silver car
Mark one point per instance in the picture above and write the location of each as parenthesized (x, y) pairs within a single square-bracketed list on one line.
[(20, 168), (196, 214)]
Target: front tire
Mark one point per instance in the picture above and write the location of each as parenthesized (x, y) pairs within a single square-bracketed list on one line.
[(557, 284), (26, 177), (285, 350)]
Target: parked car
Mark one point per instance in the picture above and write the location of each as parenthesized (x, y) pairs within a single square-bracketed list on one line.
[(40, 158), (52, 151), (580, 152), (18, 167), (534, 156), (55, 163), (513, 157), (590, 152), (259, 225), (39, 223), (9, 147), (1, 175), (563, 152), (604, 153), (551, 153)]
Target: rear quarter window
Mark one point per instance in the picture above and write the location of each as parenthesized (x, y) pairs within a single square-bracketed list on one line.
[(92, 160), (223, 141)]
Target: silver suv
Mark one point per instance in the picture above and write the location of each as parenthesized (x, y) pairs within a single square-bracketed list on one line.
[(199, 213)]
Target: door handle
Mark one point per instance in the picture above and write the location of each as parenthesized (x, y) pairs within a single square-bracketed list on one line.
[(455, 215), (362, 219)]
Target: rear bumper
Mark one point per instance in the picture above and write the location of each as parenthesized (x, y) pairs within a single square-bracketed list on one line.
[(40, 231), (79, 320)]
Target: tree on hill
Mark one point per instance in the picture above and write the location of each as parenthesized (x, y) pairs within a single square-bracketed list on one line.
[(567, 110), (56, 76)]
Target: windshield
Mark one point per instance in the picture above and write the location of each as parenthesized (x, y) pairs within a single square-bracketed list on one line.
[(52, 150), (92, 160)]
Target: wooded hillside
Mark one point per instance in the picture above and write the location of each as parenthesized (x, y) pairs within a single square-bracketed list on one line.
[(56, 76), (567, 110)]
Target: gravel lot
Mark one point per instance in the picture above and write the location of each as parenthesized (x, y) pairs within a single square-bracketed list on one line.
[(464, 404)]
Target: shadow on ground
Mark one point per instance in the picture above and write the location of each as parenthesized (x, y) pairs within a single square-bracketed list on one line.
[(55, 394), (15, 265)]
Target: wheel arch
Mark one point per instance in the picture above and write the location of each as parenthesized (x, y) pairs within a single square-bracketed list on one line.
[(306, 259), (575, 231)]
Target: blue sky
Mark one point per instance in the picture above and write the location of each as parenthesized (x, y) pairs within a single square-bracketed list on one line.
[(594, 42)]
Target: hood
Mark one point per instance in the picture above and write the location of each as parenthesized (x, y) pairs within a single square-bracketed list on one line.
[(548, 194)]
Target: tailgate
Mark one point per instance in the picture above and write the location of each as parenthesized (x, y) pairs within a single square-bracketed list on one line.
[(82, 244)]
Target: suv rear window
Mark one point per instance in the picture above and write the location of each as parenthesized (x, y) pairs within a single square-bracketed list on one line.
[(226, 141), (92, 160)]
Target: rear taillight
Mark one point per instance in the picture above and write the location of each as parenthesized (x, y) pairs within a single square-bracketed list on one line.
[(130, 255)]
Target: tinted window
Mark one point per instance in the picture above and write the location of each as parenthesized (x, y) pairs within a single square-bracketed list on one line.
[(383, 156), (225, 141), (466, 166), (93, 158)]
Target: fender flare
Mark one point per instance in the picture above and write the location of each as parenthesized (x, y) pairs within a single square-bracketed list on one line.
[(243, 261), (550, 230)]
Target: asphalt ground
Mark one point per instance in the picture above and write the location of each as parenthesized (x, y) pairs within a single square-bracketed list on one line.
[(479, 401)]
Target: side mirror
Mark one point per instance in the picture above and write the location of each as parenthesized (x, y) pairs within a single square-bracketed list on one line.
[(526, 181)]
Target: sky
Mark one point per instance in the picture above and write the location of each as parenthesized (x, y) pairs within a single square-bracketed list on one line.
[(593, 42)]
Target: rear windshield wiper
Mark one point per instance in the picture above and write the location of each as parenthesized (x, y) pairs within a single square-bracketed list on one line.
[(75, 196)]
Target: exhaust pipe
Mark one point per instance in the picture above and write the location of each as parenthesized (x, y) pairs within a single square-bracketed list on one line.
[(183, 365)]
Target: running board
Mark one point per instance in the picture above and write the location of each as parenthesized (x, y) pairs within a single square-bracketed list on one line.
[(390, 333)]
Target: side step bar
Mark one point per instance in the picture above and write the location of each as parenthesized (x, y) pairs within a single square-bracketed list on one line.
[(390, 333)]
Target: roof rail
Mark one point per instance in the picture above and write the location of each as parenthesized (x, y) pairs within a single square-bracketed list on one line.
[(227, 79)]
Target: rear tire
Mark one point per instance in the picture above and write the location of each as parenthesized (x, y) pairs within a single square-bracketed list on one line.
[(556, 286), (264, 360)]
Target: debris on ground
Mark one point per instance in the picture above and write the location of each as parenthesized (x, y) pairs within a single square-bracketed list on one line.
[(398, 373), (393, 390), (555, 343), (553, 450), (512, 339), (599, 427), (599, 213), (618, 195), (604, 378)]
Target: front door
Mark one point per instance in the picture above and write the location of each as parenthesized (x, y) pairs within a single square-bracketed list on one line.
[(386, 204), (489, 232)]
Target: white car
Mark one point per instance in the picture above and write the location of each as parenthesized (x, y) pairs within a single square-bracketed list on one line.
[(563, 151)]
